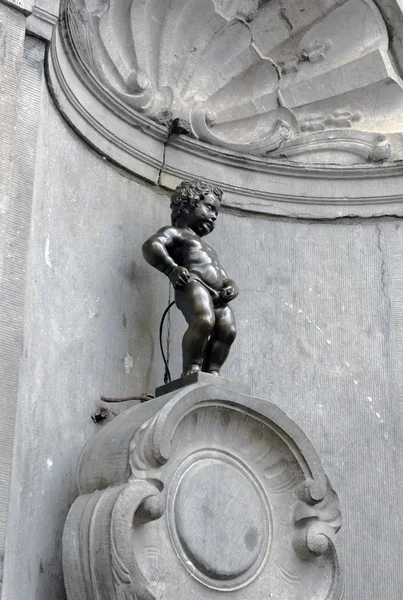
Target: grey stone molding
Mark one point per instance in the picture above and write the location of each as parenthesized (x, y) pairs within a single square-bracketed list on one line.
[(234, 76), (331, 146), (197, 492), (41, 15), (21, 79), (25, 6), (46, 11), (43, 19)]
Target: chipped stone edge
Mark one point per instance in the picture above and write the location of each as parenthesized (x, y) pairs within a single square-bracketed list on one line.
[(41, 22)]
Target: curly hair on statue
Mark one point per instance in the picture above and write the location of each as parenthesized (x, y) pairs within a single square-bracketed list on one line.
[(189, 193)]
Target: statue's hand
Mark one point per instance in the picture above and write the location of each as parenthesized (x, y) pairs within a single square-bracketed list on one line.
[(179, 277), (229, 291)]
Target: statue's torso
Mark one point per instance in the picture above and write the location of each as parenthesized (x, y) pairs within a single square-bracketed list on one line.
[(199, 258)]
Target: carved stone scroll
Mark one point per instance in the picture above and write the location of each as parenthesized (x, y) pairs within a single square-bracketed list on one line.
[(291, 108), (244, 76), (199, 492)]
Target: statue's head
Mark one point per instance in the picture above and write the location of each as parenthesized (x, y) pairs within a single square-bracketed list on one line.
[(196, 203)]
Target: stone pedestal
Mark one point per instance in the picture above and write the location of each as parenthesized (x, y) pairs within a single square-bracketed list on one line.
[(201, 491)]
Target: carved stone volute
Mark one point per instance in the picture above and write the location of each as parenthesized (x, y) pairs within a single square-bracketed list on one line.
[(199, 492)]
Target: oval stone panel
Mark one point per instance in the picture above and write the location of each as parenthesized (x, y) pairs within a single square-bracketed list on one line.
[(220, 521)]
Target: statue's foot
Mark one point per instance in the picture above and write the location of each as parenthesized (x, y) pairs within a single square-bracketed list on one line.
[(191, 370), (214, 372)]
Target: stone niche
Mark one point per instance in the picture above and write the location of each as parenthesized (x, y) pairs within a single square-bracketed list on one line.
[(201, 491), (292, 107)]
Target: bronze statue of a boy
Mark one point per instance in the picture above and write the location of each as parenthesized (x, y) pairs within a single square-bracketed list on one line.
[(202, 287)]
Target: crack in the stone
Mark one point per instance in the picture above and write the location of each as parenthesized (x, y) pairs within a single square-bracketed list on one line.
[(378, 241), (384, 287), (383, 262), (283, 14), (162, 168)]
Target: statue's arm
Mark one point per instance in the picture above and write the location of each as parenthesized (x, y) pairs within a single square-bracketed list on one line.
[(156, 250)]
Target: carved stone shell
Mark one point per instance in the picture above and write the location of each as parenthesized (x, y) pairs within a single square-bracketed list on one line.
[(252, 76), (293, 108)]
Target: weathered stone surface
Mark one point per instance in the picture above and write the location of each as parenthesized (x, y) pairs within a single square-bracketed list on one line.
[(90, 329), (201, 377), (12, 30), (345, 275), (248, 76), (43, 18), (24, 6), (220, 492), (339, 97), (326, 328), (21, 72)]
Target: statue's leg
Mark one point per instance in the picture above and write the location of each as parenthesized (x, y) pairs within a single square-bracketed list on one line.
[(223, 335), (196, 304)]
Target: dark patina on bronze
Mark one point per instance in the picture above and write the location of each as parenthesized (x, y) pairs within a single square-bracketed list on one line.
[(203, 289)]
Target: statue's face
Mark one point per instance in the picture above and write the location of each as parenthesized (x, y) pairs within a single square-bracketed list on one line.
[(203, 215)]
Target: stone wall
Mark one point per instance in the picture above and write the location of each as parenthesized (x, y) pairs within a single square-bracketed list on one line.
[(320, 334), (317, 336), (90, 329)]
